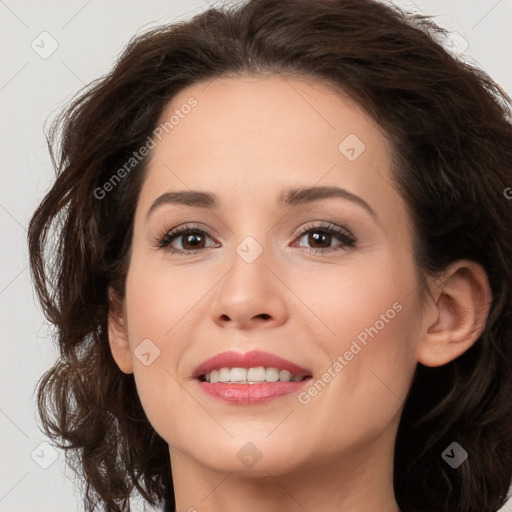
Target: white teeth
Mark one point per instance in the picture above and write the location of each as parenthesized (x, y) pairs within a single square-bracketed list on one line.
[(272, 375), (224, 375), (238, 375), (256, 374), (285, 376), (251, 375)]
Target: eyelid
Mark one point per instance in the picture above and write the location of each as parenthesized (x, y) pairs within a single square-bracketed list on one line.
[(324, 225)]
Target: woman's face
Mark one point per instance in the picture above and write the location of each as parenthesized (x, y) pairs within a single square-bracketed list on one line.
[(272, 275)]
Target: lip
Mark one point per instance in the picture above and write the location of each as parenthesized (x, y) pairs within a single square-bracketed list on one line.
[(252, 359), (249, 394)]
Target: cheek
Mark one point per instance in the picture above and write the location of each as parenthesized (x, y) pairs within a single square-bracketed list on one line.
[(159, 296), (342, 301), (156, 308), (367, 322)]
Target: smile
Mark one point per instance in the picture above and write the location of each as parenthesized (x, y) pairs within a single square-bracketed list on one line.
[(254, 375)]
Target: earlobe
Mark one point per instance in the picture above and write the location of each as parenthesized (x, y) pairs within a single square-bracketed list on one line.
[(118, 335), (458, 314)]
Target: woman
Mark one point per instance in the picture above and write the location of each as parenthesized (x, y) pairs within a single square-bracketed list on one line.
[(282, 278)]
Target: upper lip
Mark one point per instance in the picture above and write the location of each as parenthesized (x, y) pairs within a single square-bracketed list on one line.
[(251, 359)]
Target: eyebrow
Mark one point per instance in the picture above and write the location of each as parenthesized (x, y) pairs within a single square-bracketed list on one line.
[(289, 197)]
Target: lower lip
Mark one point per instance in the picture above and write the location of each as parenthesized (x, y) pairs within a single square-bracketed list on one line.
[(249, 394)]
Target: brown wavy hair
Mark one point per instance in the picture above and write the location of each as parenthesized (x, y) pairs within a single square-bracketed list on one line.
[(451, 132)]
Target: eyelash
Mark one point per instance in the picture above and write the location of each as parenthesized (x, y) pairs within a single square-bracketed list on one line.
[(347, 239)]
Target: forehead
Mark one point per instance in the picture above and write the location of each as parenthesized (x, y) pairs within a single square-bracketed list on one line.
[(281, 116), (250, 137)]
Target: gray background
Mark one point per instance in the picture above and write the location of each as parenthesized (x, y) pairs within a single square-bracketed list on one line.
[(90, 34)]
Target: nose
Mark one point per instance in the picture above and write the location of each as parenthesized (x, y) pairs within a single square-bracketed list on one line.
[(250, 295)]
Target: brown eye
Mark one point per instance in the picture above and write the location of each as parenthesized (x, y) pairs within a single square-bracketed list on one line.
[(190, 239), (320, 238)]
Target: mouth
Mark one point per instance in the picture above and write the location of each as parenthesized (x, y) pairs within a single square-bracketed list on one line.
[(251, 367), (255, 375), (250, 378)]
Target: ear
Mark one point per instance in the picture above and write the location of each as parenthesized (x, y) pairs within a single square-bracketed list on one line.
[(118, 333), (457, 315)]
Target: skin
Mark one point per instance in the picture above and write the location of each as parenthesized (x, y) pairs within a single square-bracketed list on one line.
[(246, 140)]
